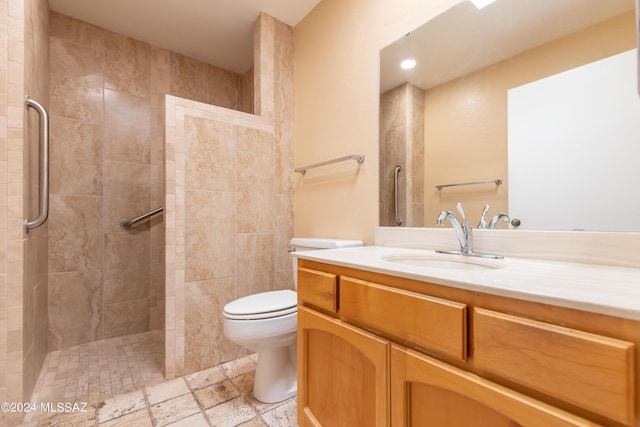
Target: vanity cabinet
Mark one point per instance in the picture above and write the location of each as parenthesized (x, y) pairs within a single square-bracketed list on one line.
[(380, 350), (343, 373)]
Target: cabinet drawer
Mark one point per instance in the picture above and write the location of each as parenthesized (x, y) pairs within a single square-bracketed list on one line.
[(584, 369), (430, 322), (318, 289)]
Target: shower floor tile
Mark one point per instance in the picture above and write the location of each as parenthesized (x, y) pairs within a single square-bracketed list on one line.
[(99, 370), (218, 396)]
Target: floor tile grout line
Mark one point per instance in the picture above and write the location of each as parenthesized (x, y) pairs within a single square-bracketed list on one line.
[(202, 410), (154, 422)]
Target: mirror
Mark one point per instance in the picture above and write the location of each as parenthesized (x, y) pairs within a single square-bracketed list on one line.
[(457, 116)]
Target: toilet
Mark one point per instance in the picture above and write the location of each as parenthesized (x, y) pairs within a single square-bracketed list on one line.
[(266, 324)]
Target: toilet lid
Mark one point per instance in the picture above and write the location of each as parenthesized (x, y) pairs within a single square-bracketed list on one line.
[(263, 305)]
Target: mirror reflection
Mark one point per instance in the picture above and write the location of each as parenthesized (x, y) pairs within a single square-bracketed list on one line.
[(533, 103)]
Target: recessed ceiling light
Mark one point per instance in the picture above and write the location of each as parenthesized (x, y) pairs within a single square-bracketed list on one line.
[(408, 64), (482, 3)]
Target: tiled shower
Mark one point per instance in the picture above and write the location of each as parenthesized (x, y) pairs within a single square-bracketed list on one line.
[(402, 144), (107, 164), (81, 278)]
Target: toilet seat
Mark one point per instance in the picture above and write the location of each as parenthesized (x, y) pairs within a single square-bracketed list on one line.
[(264, 305)]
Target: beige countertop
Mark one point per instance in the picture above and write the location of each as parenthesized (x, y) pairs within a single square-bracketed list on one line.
[(601, 289)]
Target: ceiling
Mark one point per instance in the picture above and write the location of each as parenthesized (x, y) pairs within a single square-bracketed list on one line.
[(219, 32), (464, 39)]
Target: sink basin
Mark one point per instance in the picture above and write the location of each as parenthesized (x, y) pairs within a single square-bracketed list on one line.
[(450, 262)]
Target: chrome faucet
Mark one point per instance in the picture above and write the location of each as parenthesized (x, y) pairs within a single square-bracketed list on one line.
[(494, 221), (501, 216), (464, 231), (464, 248), (483, 223)]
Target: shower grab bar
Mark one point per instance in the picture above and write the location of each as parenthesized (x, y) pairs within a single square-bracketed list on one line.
[(43, 209), (358, 157), (395, 191), (494, 181), (127, 223)]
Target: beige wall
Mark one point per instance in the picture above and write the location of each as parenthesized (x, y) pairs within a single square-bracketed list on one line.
[(337, 64), (337, 107), (229, 205), (478, 150)]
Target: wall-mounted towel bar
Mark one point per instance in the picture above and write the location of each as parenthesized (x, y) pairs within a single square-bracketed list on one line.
[(358, 157), (43, 209), (490, 181), (127, 223)]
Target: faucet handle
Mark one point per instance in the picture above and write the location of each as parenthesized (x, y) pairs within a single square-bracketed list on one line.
[(461, 210), (483, 223)]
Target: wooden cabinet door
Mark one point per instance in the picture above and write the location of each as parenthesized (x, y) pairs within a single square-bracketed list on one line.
[(342, 374), (426, 392)]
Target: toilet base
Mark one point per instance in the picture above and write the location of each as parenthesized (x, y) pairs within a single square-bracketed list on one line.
[(276, 372)]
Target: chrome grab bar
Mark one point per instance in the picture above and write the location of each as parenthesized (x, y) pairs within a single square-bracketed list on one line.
[(43, 209), (395, 186), (127, 223), (358, 157)]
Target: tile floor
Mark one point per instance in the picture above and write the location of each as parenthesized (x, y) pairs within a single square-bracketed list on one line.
[(99, 370), (131, 391)]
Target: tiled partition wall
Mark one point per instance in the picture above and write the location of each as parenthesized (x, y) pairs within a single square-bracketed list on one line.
[(6, 393), (229, 205), (35, 290), (11, 200), (402, 143), (107, 164), (23, 257)]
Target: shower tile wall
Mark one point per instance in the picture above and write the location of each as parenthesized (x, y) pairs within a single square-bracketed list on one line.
[(23, 269), (402, 143), (107, 164), (35, 280), (12, 240), (229, 205), (5, 392)]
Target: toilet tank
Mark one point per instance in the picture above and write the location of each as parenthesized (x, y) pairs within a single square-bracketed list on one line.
[(299, 244), (310, 243)]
